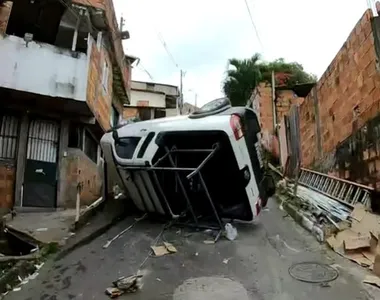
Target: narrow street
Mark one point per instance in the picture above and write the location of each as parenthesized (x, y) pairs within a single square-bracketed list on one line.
[(254, 266)]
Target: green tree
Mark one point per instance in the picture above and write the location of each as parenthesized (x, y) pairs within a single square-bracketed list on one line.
[(244, 75), (242, 78), (286, 74)]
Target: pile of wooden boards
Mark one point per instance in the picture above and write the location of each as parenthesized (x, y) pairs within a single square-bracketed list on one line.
[(360, 242)]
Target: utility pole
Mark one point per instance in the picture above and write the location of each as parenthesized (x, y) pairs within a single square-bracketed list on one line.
[(122, 23), (180, 106), (274, 104), (195, 101)]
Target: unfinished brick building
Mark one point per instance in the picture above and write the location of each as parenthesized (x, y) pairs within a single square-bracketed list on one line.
[(64, 80)]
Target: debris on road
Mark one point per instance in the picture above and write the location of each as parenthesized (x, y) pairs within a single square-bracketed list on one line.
[(372, 280), (231, 232), (106, 245), (162, 250), (208, 242), (130, 284)]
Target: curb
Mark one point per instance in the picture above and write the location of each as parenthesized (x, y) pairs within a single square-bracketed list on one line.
[(87, 239), (301, 219)]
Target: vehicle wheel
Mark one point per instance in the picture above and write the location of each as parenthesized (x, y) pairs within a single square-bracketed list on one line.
[(212, 108)]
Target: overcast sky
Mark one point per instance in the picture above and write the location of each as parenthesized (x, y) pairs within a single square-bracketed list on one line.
[(202, 35)]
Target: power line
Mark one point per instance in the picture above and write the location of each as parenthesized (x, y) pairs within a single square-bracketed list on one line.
[(141, 67), (253, 24), (162, 40)]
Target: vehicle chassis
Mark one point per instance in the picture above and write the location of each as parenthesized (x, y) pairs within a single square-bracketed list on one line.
[(193, 172)]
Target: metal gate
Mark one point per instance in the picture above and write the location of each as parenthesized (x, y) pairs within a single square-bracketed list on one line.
[(40, 180)]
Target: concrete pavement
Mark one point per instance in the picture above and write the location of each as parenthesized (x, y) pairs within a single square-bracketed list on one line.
[(255, 266)]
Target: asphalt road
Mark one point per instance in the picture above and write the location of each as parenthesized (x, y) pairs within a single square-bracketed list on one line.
[(254, 266)]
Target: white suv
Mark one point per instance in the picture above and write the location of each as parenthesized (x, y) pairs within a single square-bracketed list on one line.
[(207, 164)]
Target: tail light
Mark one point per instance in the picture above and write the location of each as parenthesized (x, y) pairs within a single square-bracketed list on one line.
[(236, 127)]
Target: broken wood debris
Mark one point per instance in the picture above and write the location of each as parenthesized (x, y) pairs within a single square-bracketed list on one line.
[(166, 248), (130, 284), (106, 245)]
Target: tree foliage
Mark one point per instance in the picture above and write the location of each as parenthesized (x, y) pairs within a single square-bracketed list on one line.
[(244, 75), (286, 74), (241, 79)]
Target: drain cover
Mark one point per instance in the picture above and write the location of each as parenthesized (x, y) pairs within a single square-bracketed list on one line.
[(313, 272)]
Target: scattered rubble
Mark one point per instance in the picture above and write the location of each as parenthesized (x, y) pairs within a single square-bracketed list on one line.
[(166, 248), (130, 284), (351, 231)]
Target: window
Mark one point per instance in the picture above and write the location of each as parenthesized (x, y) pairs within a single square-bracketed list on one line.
[(105, 76), (160, 113), (90, 147), (125, 147), (75, 136)]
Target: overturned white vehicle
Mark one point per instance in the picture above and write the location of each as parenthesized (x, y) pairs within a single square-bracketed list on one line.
[(205, 166)]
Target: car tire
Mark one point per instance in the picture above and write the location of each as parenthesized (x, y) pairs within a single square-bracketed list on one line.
[(212, 108)]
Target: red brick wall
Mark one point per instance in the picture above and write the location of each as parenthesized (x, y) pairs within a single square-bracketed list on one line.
[(350, 80), (7, 181), (5, 12), (81, 169), (118, 52), (98, 100), (285, 99)]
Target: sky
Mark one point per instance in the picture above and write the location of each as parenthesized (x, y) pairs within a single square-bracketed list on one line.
[(201, 35)]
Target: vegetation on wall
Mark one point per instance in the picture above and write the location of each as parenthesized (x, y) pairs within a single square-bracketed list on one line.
[(244, 75)]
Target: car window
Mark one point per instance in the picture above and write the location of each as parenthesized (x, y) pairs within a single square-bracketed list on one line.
[(125, 147)]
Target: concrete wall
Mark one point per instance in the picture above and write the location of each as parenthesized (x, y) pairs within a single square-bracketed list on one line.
[(156, 87), (145, 98), (42, 69), (347, 94), (81, 169)]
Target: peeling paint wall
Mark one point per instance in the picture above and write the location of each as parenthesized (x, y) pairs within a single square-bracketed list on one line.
[(42, 69), (81, 169)]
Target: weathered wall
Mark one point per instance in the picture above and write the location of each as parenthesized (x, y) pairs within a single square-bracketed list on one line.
[(349, 90), (117, 53), (81, 169), (5, 11), (153, 99), (284, 100), (98, 99), (60, 73), (7, 182)]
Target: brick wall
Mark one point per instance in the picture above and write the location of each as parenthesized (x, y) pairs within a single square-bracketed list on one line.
[(350, 82), (98, 99), (5, 11), (117, 48), (81, 169), (130, 112), (285, 99), (7, 181)]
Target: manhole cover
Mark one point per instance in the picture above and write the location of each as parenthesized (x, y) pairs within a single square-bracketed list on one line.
[(210, 288), (313, 272)]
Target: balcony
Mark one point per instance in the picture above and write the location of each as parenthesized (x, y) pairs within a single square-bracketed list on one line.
[(43, 69)]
